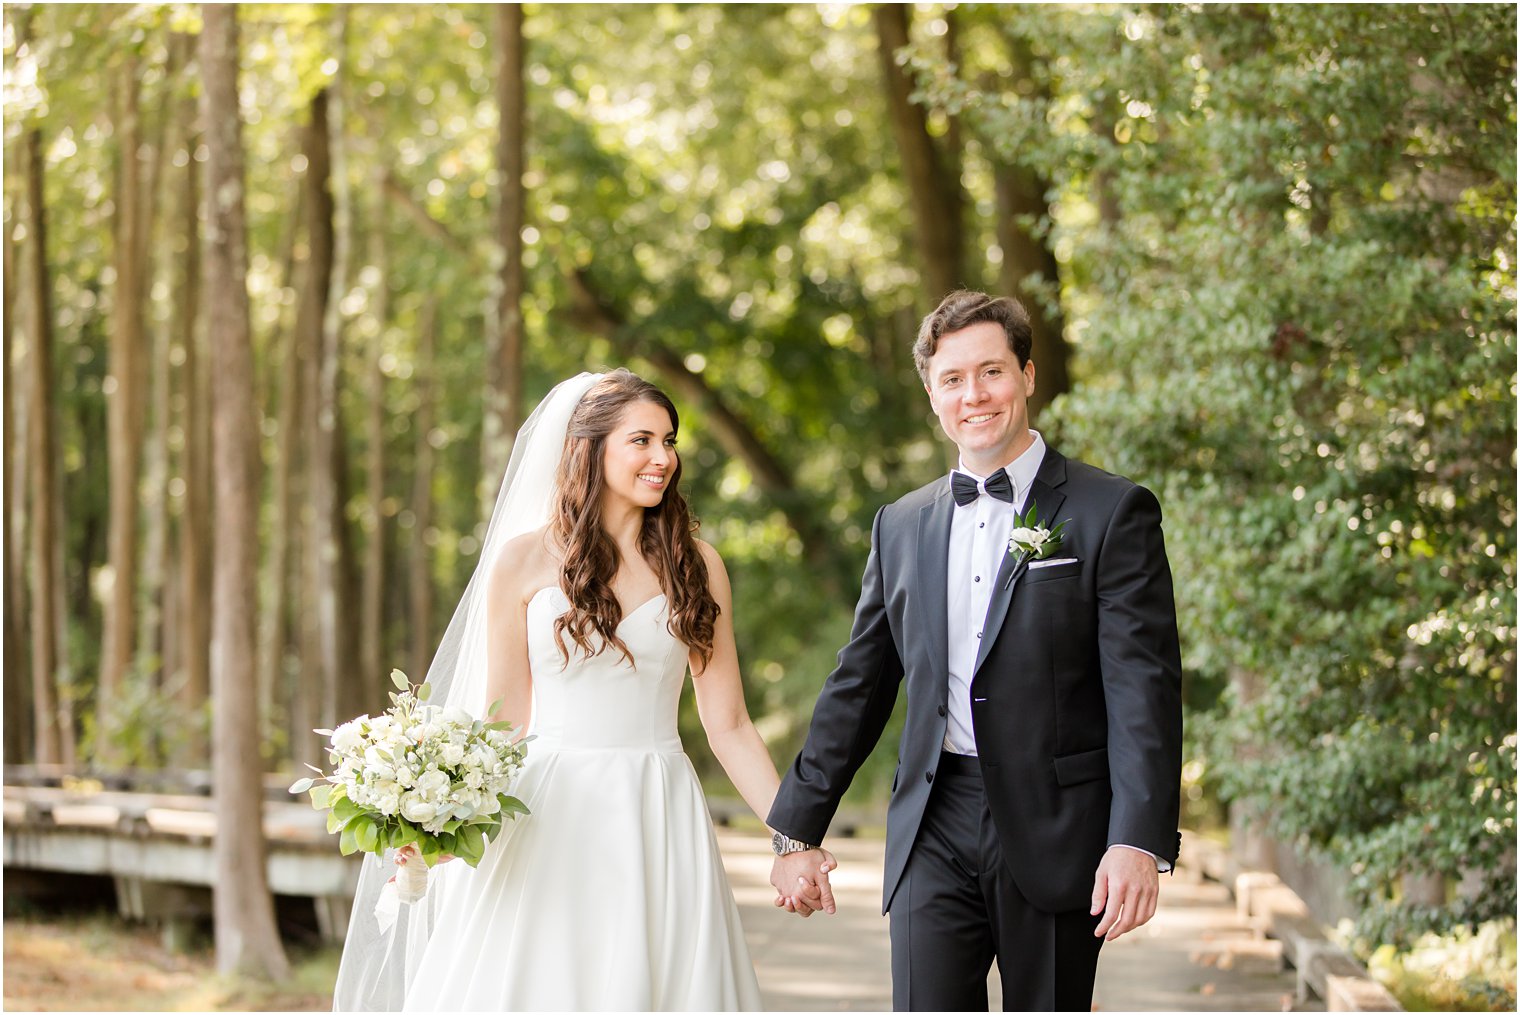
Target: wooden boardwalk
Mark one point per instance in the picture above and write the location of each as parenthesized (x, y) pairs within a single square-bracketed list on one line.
[(1196, 955)]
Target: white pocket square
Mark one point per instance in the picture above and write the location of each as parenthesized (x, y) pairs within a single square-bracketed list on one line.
[(1052, 562)]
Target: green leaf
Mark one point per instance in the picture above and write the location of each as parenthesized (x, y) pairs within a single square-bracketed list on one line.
[(302, 785), (491, 710), (345, 809), (424, 692), (366, 835), (399, 679), (348, 842), (321, 796), (470, 842), (334, 822), (510, 805)]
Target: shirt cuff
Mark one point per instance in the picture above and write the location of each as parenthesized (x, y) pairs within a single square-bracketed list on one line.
[(1162, 866)]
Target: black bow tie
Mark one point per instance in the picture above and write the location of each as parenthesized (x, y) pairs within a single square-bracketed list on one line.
[(965, 489)]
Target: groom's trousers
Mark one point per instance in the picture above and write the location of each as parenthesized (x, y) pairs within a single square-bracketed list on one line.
[(957, 908)]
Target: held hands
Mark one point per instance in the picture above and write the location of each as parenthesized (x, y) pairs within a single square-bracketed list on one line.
[(1125, 890), (801, 881)]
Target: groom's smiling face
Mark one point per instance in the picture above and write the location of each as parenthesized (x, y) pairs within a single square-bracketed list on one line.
[(981, 395)]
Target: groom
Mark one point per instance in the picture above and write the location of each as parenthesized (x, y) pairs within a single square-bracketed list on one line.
[(1036, 794)]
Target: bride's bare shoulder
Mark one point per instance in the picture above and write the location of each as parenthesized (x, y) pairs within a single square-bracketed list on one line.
[(523, 565)]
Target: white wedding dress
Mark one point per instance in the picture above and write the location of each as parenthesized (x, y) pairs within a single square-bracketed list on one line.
[(611, 895)]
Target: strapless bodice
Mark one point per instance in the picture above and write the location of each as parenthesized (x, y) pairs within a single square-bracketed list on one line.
[(605, 702)]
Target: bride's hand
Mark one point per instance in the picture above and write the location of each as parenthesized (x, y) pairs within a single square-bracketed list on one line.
[(410, 852)]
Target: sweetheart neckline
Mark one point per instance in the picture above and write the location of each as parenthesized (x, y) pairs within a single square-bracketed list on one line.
[(626, 616)]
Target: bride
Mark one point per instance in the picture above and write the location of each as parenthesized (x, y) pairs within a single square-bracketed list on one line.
[(591, 599)]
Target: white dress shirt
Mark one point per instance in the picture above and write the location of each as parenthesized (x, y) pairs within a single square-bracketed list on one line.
[(978, 540)]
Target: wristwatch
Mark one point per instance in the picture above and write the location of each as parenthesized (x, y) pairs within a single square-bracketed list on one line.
[(781, 845)]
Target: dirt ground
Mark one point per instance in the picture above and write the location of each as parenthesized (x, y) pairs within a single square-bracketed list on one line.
[(96, 963)]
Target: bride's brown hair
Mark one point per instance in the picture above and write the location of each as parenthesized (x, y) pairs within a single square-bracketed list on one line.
[(591, 558)]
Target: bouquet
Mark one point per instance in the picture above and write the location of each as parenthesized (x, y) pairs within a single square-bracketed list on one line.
[(417, 775)]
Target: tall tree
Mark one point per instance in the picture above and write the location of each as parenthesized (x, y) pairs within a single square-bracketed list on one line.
[(247, 939), (156, 617), (17, 696), (336, 579), (505, 373), (930, 166), (194, 389), (126, 402), (316, 609), (276, 634), (45, 513), (1029, 269), (420, 583), (372, 583)]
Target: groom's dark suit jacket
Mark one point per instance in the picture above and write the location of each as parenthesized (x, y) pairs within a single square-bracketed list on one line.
[(1076, 695)]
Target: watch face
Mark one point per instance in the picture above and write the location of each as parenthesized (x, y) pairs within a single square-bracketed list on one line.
[(778, 843)]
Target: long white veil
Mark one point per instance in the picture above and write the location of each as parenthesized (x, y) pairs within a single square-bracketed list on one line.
[(378, 966)]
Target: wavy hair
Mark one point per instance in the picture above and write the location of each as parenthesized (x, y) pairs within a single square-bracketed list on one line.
[(591, 559)]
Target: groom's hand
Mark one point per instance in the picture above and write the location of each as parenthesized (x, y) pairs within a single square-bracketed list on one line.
[(801, 881), (1124, 891)]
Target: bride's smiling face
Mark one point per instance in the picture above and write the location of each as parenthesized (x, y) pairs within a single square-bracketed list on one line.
[(639, 459)]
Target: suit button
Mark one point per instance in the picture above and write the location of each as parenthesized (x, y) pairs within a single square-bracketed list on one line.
[(942, 711), (928, 777)]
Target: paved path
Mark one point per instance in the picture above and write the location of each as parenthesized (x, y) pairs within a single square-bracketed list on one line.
[(1196, 955)]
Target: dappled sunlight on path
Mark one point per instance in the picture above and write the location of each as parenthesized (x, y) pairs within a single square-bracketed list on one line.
[(1196, 955)]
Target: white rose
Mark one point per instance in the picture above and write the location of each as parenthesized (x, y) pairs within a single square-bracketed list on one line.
[(452, 753), (349, 738), (417, 810)]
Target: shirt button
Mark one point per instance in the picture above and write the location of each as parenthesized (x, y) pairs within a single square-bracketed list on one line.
[(983, 525), (978, 635), (977, 578)]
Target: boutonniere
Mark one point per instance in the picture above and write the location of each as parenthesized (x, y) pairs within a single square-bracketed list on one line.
[(1030, 540)]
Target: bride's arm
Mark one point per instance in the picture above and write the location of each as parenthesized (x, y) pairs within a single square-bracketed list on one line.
[(720, 701), (507, 675)]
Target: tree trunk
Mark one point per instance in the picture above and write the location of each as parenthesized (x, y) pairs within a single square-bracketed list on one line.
[(247, 940), (195, 517), (1031, 273), (125, 407), (372, 589), (336, 607), (18, 704), (43, 455), (316, 613), (155, 619), (275, 634), (930, 170), (420, 570), (505, 374)]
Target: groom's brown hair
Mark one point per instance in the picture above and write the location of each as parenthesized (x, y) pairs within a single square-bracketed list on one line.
[(963, 308)]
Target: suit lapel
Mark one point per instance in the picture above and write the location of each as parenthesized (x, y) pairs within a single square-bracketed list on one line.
[(933, 580), (1048, 498)]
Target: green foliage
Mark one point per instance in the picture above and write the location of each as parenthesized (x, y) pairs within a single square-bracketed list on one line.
[(1300, 332)]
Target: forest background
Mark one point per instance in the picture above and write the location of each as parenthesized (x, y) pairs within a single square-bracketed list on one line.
[(1269, 252)]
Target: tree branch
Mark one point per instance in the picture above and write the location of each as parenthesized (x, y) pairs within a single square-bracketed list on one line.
[(591, 312)]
